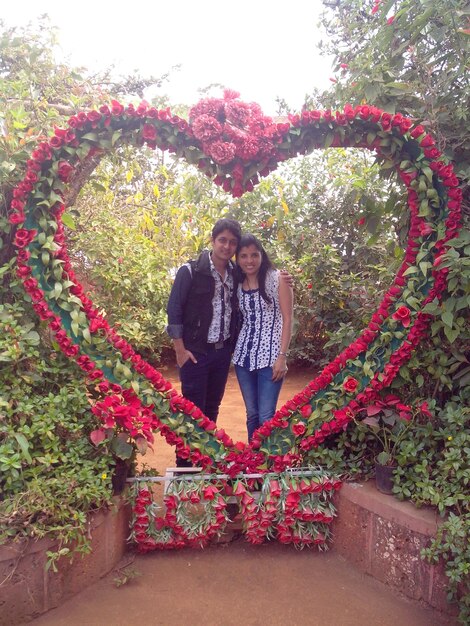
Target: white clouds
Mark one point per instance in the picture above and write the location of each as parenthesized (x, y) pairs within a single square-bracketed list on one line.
[(260, 48)]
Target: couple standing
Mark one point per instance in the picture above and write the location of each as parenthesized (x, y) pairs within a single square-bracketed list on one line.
[(208, 298)]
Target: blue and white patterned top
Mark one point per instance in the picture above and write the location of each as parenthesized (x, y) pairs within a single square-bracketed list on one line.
[(259, 341)]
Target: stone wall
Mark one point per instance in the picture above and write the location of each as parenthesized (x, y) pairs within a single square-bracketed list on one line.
[(29, 590), (383, 537)]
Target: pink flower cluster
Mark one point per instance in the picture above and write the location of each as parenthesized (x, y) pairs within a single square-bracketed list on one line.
[(236, 133)]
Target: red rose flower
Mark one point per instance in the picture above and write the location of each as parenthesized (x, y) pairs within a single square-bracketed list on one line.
[(23, 271), (116, 108), (375, 8), (227, 185), (350, 384), (149, 132), (432, 153), (210, 492), (402, 314), (55, 142), (364, 111), (94, 117), (426, 142), (64, 170), (425, 229), (418, 131), (451, 181), (237, 190), (299, 429), (31, 176), (23, 237), (17, 218)]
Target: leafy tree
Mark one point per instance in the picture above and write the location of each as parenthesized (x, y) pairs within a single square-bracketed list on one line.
[(409, 56), (412, 56)]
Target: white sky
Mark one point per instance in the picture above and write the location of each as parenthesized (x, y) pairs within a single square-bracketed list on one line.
[(260, 48)]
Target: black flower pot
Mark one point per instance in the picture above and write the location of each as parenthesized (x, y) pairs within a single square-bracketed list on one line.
[(384, 477)]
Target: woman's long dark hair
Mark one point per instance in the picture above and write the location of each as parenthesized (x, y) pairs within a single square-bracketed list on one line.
[(266, 263)]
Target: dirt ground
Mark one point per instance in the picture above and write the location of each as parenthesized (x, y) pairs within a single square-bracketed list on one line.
[(236, 583)]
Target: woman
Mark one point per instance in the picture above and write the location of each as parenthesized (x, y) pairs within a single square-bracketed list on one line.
[(266, 305)]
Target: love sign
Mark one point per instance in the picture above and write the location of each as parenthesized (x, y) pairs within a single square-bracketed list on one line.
[(234, 144)]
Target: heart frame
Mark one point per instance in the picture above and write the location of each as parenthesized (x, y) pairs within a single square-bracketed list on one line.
[(233, 143)]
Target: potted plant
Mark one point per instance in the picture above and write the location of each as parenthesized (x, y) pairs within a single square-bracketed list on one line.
[(389, 420)]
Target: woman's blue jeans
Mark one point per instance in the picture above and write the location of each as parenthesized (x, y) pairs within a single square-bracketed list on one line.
[(260, 394)]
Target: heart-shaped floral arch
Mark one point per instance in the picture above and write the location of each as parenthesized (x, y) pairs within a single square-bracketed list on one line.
[(234, 143)]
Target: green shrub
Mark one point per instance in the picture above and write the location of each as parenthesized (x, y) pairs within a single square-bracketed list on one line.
[(452, 544), (51, 475), (434, 461)]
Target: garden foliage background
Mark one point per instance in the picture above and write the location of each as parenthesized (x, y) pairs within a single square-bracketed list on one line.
[(334, 219)]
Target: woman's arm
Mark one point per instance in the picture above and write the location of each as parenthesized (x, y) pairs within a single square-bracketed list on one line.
[(286, 303)]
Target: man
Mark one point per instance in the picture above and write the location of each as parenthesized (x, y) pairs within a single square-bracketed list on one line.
[(202, 311)]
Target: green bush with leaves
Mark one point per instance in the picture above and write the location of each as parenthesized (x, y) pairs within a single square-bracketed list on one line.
[(411, 56), (51, 475), (434, 461), (453, 546)]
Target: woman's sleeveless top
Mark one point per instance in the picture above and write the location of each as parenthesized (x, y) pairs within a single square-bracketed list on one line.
[(259, 341)]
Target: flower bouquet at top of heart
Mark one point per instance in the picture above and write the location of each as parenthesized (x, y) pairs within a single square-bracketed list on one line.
[(238, 137)]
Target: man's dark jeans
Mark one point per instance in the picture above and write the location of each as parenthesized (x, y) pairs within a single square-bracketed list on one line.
[(204, 383)]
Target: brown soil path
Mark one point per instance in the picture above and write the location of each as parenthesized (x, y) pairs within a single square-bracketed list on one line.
[(235, 583)]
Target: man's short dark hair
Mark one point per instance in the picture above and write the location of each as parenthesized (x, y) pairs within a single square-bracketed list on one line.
[(227, 223)]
